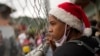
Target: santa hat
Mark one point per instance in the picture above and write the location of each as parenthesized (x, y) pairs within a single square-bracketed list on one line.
[(73, 16)]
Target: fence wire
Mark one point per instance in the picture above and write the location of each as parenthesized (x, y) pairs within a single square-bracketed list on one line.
[(35, 9)]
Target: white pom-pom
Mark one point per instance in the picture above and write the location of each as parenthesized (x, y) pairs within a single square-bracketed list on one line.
[(87, 32)]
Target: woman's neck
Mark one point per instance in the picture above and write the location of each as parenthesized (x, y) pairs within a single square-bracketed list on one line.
[(74, 36)]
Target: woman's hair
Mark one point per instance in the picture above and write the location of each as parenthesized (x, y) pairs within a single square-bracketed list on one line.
[(74, 30)]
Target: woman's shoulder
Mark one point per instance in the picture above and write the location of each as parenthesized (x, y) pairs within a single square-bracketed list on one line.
[(71, 49)]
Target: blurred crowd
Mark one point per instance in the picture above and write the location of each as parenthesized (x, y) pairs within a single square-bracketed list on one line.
[(16, 40)]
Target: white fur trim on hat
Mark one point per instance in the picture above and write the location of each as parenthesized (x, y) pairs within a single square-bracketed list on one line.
[(87, 32), (67, 18)]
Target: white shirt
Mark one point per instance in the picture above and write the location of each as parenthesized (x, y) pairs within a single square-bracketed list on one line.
[(7, 31), (22, 37)]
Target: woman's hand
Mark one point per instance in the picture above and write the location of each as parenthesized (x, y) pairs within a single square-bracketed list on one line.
[(51, 42)]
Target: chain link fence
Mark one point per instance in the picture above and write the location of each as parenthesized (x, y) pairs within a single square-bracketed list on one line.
[(29, 12), (33, 14)]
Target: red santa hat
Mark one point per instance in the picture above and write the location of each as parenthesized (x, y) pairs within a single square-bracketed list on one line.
[(73, 16)]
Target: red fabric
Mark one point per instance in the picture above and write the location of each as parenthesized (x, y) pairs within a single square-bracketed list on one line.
[(26, 42), (22, 27), (76, 11)]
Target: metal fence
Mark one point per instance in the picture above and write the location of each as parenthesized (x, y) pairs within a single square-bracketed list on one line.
[(31, 8)]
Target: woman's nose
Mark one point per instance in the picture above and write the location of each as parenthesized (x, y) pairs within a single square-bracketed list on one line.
[(50, 29)]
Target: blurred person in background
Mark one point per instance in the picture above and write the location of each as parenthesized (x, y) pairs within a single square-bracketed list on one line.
[(32, 40), (2, 47), (26, 48), (97, 34), (7, 30), (38, 39), (22, 36), (98, 27)]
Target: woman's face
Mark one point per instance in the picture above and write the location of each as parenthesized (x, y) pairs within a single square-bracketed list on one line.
[(56, 27)]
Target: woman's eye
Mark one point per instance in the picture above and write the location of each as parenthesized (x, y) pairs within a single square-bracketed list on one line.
[(52, 23)]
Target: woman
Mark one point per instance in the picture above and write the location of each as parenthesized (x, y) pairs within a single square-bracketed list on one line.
[(68, 22)]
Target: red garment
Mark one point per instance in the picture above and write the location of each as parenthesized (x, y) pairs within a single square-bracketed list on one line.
[(26, 42)]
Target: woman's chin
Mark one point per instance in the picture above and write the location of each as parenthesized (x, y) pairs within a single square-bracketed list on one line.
[(56, 39)]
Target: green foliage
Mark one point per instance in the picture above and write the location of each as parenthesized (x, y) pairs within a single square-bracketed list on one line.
[(36, 23), (32, 30)]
